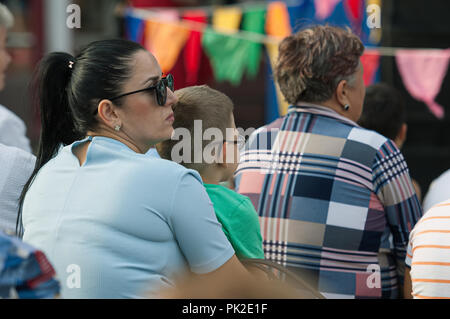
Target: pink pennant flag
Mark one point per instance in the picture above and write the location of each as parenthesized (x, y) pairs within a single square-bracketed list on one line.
[(370, 61), (422, 72), (324, 8)]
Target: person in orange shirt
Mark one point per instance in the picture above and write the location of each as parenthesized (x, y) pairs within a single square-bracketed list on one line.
[(427, 274)]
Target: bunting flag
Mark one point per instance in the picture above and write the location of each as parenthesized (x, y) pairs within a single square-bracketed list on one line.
[(233, 53), (370, 61), (156, 34), (232, 56), (225, 52), (277, 25), (227, 19), (134, 28), (254, 21), (422, 72), (324, 8), (193, 50), (151, 3), (375, 33), (355, 11)]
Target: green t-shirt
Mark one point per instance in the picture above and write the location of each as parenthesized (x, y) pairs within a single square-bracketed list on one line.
[(239, 221)]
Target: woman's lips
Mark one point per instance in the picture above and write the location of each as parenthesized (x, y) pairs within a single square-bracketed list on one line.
[(171, 118)]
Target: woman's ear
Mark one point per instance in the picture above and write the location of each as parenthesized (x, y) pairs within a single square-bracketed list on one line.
[(107, 112), (342, 93)]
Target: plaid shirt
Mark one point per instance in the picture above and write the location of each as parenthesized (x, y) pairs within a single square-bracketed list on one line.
[(325, 190)]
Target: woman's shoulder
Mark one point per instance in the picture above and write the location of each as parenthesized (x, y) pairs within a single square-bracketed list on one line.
[(367, 137), (155, 167), (112, 152)]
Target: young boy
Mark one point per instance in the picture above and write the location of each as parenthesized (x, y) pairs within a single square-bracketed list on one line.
[(203, 110)]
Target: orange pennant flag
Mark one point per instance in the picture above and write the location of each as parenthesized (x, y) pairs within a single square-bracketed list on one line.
[(277, 20), (278, 25), (157, 33)]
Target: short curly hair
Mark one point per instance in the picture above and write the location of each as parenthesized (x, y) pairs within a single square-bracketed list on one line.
[(313, 61)]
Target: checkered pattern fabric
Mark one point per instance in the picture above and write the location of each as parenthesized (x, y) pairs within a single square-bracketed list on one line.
[(325, 190)]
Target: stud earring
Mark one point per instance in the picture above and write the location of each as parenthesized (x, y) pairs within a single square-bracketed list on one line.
[(117, 128), (346, 107)]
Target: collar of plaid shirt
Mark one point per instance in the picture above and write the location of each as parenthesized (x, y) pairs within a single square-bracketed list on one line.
[(320, 110)]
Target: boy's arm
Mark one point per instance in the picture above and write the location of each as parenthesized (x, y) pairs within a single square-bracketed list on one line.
[(245, 231)]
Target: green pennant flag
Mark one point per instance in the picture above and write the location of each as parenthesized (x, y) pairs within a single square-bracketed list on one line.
[(254, 21), (230, 56)]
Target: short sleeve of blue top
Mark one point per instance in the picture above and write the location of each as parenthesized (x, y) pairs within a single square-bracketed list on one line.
[(123, 224)]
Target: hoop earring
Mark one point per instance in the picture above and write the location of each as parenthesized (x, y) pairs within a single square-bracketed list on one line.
[(346, 107)]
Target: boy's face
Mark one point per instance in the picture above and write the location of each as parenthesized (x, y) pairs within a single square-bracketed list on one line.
[(5, 58)]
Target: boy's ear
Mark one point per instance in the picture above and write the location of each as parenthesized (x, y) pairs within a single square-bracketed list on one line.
[(401, 136), (223, 156)]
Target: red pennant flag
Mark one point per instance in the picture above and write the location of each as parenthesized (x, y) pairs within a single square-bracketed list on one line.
[(193, 49), (355, 12), (370, 61)]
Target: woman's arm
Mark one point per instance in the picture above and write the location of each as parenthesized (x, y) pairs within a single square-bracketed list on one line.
[(230, 281)]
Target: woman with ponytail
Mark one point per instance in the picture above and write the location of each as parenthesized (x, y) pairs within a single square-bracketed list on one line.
[(115, 221)]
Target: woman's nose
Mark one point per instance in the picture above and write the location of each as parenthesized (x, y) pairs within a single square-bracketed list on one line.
[(171, 97)]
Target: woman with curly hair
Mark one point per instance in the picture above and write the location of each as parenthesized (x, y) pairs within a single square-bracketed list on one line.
[(325, 188)]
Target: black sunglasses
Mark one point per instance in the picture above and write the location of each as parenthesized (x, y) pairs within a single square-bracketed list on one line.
[(160, 87)]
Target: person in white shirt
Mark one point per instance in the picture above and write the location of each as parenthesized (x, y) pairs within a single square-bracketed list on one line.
[(12, 128), (16, 167), (16, 162), (438, 191)]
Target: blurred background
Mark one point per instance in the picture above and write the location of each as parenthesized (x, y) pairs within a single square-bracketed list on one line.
[(235, 56)]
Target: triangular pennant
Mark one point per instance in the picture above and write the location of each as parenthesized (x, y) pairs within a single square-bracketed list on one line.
[(254, 21), (277, 20), (374, 20), (157, 33), (277, 25), (193, 48), (354, 9), (422, 72), (324, 8), (134, 28), (231, 56), (226, 55), (370, 61), (227, 19)]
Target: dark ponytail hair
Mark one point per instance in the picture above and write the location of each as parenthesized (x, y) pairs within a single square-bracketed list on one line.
[(66, 90)]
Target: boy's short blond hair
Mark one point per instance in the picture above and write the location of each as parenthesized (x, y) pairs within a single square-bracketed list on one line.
[(195, 103)]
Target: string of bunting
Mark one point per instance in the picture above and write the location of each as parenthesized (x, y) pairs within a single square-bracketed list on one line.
[(233, 37)]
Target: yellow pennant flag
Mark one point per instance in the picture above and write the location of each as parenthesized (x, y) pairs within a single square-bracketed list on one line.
[(157, 33), (227, 19), (375, 33), (277, 25)]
